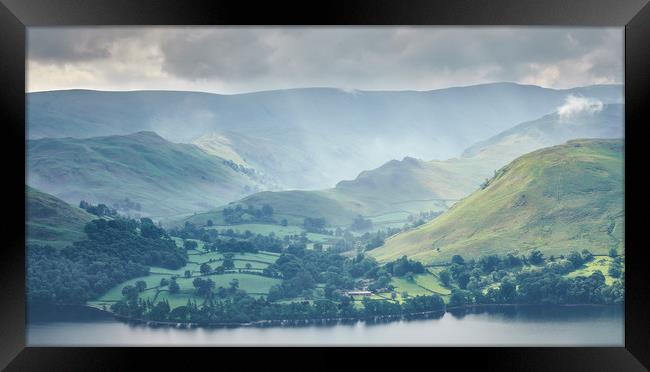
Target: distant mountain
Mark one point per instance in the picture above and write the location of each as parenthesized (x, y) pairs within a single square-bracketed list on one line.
[(558, 199), (411, 185), (51, 221), (549, 130), (159, 178), (306, 138)]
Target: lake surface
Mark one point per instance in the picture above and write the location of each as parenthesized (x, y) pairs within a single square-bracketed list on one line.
[(503, 326)]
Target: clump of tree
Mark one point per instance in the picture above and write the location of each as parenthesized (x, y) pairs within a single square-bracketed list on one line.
[(315, 225), (545, 283), (361, 223), (403, 266), (239, 214), (99, 210)]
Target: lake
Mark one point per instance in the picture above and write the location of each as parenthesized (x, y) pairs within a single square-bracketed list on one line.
[(494, 326)]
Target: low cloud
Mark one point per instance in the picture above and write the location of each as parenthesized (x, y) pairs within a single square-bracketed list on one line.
[(576, 105)]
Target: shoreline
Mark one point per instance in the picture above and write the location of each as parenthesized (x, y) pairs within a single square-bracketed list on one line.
[(322, 321)]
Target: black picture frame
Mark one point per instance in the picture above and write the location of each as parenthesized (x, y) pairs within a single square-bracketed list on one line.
[(16, 15)]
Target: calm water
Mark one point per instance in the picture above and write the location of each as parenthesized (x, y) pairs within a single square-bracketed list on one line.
[(523, 326)]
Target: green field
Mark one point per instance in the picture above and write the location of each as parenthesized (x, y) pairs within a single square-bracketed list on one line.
[(599, 263), (264, 229), (423, 284), (254, 285), (558, 199), (279, 230), (115, 293)]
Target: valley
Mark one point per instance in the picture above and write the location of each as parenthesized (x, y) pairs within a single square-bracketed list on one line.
[(245, 222)]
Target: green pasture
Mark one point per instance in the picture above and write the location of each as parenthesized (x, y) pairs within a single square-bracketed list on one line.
[(599, 263)]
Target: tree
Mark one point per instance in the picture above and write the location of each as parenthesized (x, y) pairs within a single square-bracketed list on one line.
[(210, 223), (615, 270), (141, 285), (463, 279), (445, 278), (507, 291), (149, 230), (188, 273), (164, 282), (228, 261), (234, 285), (205, 269), (267, 210), (284, 222), (160, 311), (203, 286), (576, 259), (130, 292), (457, 259), (248, 266), (361, 223), (612, 252), (314, 224), (190, 244), (174, 287), (459, 298), (536, 257)]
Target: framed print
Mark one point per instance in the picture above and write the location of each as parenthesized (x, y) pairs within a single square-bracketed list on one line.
[(357, 174)]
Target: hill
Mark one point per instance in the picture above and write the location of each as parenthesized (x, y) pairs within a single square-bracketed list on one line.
[(390, 192), (159, 178), (307, 138), (399, 188), (558, 199), (51, 221)]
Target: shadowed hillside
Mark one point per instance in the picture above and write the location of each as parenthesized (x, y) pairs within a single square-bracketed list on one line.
[(164, 178), (51, 221)]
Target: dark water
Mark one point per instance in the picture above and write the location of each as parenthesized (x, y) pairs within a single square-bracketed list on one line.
[(503, 326)]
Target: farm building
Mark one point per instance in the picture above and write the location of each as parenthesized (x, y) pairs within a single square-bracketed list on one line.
[(359, 293)]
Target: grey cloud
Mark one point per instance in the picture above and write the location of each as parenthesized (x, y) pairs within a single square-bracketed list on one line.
[(356, 57), (71, 44), (224, 54)]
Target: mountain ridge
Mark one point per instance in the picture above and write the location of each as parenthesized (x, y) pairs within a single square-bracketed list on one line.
[(329, 134)]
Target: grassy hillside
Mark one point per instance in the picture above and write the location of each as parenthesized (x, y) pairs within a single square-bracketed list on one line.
[(51, 221), (392, 191), (558, 199), (164, 178)]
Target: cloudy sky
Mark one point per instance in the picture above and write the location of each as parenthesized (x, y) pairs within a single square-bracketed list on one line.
[(241, 59)]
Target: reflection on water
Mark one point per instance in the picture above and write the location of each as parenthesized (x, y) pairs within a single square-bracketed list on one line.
[(490, 326)]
